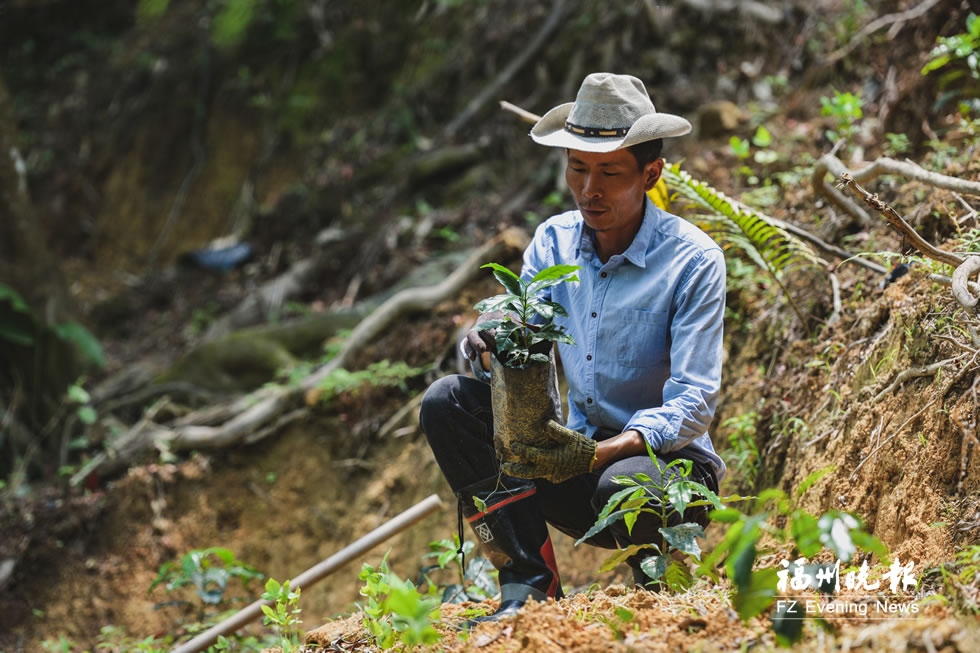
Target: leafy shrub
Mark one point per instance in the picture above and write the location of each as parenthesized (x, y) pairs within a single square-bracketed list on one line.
[(744, 456)]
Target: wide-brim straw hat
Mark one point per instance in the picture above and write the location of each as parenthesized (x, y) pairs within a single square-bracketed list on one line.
[(610, 112)]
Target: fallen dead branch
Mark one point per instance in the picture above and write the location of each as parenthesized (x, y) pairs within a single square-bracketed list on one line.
[(963, 267), (261, 412), (829, 163)]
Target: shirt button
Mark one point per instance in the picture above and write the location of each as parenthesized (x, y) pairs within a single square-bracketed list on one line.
[(589, 357), (594, 314), (589, 400), (604, 275)]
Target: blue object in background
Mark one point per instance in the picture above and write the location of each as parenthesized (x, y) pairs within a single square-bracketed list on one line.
[(218, 260)]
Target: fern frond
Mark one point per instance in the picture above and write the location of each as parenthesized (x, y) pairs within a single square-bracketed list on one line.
[(764, 239)]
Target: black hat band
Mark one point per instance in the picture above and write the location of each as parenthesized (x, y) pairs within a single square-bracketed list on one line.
[(596, 132)]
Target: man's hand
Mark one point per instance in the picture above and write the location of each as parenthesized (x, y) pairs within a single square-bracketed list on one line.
[(478, 343), (571, 455), (626, 444)]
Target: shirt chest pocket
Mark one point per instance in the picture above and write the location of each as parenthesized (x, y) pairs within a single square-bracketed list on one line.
[(642, 338)]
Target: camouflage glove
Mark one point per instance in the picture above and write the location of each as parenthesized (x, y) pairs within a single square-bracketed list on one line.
[(572, 454)]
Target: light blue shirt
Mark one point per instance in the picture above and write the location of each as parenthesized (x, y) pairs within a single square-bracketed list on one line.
[(648, 328)]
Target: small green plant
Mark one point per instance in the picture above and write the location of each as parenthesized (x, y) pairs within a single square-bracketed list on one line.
[(643, 495), (845, 109), (209, 571), (78, 395), (740, 148), (520, 341), (960, 54), (202, 318), (382, 373), (475, 583), (150, 9), (897, 144), (395, 611), (744, 455), (283, 614)]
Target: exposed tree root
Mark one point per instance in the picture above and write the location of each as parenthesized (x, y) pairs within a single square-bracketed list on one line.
[(260, 413), (912, 373)]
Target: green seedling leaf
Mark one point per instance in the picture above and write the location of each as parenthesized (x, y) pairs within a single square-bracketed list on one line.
[(680, 493), (87, 343), (16, 334), (602, 523), (685, 464), (655, 566), (811, 480), (555, 272), (678, 577), (87, 415), (78, 394), (871, 543), (13, 297), (762, 137), (536, 287), (758, 593), (632, 492), (725, 515), (621, 556), (623, 614), (683, 537), (495, 303), (805, 533)]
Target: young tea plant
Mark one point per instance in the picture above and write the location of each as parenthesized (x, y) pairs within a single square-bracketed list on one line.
[(209, 571), (845, 109), (526, 332), (476, 581), (744, 456), (284, 614), (644, 495), (395, 611)]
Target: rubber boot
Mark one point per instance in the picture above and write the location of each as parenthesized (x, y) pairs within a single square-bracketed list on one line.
[(514, 536)]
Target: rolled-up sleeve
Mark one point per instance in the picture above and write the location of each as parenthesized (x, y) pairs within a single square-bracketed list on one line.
[(690, 394)]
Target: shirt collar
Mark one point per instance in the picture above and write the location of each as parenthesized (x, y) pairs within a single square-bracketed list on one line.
[(636, 253)]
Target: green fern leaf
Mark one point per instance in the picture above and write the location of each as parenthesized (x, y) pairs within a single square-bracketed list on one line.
[(762, 238), (765, 240)]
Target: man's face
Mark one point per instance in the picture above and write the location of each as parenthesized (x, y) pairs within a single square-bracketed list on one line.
[(609, 188)]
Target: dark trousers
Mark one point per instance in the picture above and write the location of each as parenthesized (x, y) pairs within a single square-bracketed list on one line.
[(457, 419)]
